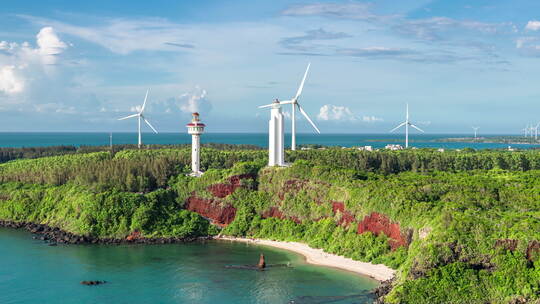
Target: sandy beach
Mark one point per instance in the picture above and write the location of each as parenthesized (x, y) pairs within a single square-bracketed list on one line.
[(319, 257)]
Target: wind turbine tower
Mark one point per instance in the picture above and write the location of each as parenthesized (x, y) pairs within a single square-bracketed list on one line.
[(407, 123), (195, 128), (276, 138), (140, 117), (475, 132)]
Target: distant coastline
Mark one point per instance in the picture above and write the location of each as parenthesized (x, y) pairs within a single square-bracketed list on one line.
[(319, 257)]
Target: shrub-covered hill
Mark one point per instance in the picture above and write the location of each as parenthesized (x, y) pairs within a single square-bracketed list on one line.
[(458, 227)]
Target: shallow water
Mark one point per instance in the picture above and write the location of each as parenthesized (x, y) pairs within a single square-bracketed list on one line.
[(33, 272)]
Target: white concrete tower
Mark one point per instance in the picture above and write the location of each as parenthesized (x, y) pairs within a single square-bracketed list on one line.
[(276, 151), (195, 128)]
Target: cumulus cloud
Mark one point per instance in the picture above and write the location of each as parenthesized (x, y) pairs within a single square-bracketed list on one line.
[(195, 100), (9, 82), (533, 25), (21, 63), (332, 112), (50, 46)]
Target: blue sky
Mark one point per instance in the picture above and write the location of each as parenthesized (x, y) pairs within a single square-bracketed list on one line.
[(80, 65)]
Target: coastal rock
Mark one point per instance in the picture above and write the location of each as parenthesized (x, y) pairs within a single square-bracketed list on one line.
[(55, 235), (381, 291), (89, 283), (262, 263)]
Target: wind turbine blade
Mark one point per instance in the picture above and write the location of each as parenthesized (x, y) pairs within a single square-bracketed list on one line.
[(144, 103), (286, 102), (266, 106), (302, 83), (148, 123), (400, 125), (130, 116), (417, 128), (307, 117)]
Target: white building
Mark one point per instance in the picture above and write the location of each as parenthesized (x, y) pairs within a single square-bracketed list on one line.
[(394, 147), (365, 148), (195, 128)]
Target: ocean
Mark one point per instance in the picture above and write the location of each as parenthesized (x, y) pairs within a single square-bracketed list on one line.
[(35, 139), (33, 272)]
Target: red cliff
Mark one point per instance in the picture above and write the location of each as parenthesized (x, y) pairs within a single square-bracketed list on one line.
[(377, 223)]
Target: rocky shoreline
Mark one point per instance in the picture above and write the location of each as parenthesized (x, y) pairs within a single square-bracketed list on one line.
[(55, 235)]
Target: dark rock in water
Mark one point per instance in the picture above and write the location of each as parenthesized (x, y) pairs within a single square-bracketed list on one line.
[(262, 263), (329, 299), (59, 236), (381, 291), (52, 244), (93, 282)]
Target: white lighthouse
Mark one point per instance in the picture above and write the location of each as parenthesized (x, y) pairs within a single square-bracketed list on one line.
[(195, 128), (276, 151)]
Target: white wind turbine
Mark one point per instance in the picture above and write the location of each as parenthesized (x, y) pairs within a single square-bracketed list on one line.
[(536, 131), (525, 130), (407, 123), (141, 116), (475, 131), (295, 104), (531, 130)]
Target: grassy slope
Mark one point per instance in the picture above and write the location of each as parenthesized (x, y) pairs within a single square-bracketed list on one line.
[(461, 215)]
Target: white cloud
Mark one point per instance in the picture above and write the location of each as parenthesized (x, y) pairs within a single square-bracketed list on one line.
[(371, 118), (124, 36), (195, 100), (10, 83), (50, 46), (533, 25), (20, 64), (332, 112), (354, 11)]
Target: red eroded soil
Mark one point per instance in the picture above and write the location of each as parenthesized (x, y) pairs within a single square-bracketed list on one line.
[(377, 223), (346, 216), (226, 189), (533, 249), (273, 212), (133, 236), (507, 244), (211, 209)]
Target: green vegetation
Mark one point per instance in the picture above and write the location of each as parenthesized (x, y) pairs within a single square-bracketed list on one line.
[(472, 218)]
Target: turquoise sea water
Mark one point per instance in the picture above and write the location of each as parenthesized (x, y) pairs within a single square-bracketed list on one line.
[(260, 139), (33, 272)]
